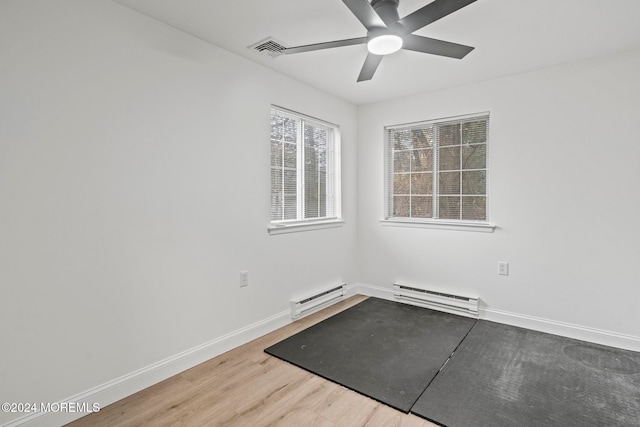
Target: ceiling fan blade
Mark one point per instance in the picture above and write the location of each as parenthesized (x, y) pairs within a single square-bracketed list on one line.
[(428, 14), (325, 45), (370, 66), (365, 13), (435, 47)]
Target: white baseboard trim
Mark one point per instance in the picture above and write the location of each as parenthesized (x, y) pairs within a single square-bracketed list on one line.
[(371, 291), (119, 388), (584, 333)]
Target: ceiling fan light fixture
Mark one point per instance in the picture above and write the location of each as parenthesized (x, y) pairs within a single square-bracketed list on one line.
[(384, 44)]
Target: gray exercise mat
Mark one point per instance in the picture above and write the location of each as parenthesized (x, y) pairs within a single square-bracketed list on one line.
[(383, 349), (507, 376)]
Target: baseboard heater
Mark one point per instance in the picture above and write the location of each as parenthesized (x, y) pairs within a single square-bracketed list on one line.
[(455, 304), (312, 303)]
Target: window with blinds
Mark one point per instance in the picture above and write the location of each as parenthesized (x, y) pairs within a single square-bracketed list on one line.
[(438, 170), (304, 161)]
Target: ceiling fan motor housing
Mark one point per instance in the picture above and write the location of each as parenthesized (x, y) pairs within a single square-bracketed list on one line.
[(387, 10)]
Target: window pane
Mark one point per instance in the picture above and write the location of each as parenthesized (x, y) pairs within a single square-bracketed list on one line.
[(401, 206), (474, 182), (311, 207), (315, 192), (422, 160), (277, 127), (422, 138), (315, 137), (290, 207), (402, 161), (290, 129), (422, 183), (315, 167), (311, 182), (474, 208), (450, 134), (449, 158), (449, 207), (276, 153), (474, 156), (290, 155), (276, 207), (312, 198), (402, 139), (401, 183), (290, 181), (322, 200), (449, 182), (474, 132), (276, 194), (276, 180), (421, 207)]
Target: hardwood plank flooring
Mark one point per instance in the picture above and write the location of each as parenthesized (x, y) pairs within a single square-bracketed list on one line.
[(247, 387)]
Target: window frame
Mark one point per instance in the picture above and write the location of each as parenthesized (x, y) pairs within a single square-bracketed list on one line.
[(434, 222), (333, 178)]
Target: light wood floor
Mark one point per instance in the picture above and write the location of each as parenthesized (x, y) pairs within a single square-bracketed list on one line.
[(247, 387)]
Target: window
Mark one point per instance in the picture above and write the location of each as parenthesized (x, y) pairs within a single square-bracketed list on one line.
[(304, 170), (437, 171)]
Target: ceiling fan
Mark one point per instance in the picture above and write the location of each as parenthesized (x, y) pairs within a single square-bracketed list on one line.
[(387, 33)]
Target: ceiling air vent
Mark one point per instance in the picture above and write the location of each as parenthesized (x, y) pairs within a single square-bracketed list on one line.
[(269, 47)]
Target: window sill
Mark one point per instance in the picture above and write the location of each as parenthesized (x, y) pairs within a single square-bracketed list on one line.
[(483, 227), (274, 229)]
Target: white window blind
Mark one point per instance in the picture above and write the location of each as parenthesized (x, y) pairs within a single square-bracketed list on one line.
[(438, 170), (304, 176)]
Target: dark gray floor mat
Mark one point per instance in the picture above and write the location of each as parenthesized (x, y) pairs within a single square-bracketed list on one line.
[(383, 349), (507, 376)]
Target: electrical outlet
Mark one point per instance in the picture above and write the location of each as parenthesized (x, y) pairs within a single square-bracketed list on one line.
[(503, 268), (244, 279)]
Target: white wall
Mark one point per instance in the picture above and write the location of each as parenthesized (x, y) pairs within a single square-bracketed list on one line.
[(134, 186), (564, 196)]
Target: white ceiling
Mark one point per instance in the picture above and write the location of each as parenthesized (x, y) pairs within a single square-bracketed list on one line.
[(509, 36)]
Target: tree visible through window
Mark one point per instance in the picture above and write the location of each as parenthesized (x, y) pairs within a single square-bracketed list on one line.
[(437, 170), (303, 168)]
